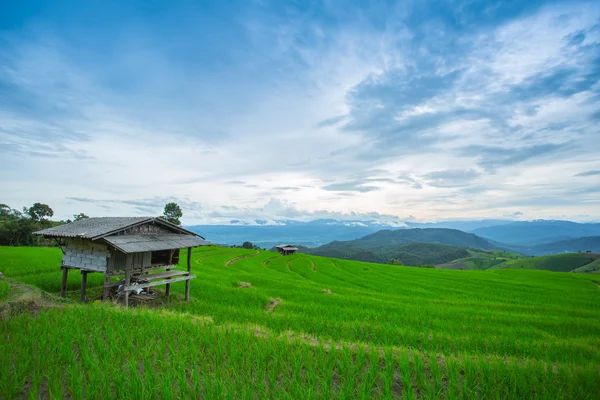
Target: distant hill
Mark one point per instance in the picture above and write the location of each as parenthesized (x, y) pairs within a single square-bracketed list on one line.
[(415, 253), (557, 262), (411, 246), (451, 237), (478, 259), (537, 232), (583, 244), (465, 226)]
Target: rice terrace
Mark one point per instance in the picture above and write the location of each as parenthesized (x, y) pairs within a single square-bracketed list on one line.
[(297, 200), (304, 327)]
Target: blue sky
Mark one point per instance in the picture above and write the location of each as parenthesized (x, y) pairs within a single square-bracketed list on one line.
[(307, 109)]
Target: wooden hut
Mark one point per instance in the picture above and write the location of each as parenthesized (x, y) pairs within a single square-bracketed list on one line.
[(133, 247), (286, 249)]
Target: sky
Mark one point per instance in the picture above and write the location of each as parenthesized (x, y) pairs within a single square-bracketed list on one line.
[(272, 110)]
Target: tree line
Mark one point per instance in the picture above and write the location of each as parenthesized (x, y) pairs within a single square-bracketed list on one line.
[(17, 226)]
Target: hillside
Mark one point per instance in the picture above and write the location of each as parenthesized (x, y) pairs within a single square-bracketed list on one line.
[(583, 244), (478, 259), (408, 253), (557, 262), (411, 246), (531, 233), (308, 327), (593, 267)]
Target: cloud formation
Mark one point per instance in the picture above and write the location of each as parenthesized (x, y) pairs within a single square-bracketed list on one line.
[(459, 110)]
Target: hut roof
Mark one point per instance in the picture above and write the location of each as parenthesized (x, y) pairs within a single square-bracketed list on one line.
[(141, 243), (286, 247), (97, 228)]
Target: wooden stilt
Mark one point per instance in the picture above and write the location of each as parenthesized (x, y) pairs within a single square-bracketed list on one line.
[(105, 292), (127, 283), (189, 268), (168, 290), (83, 284), (63, 284)]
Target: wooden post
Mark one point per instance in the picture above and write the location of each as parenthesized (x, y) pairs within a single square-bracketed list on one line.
[(127, 283), (83, 284), (105, 292), (63, 284), (189, 266), (168, 290)]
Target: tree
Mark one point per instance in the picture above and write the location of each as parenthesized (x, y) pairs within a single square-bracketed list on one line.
[(172, 213), (80, 216), (4, 210), (247, 245), (39, 212), (394, 261)]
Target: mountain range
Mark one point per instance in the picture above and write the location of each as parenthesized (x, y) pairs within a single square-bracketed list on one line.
[(411, 246), (537, 237), (531, 233)]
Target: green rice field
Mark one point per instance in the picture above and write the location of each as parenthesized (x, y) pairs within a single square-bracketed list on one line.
[(308, 327)]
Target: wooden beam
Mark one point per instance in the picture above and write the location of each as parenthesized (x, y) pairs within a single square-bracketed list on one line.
[(167, 274), (189, 268), (83, 284), (153, 268), (63, 284), (157, 283)]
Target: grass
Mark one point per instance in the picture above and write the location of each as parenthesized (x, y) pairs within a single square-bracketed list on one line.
[(385, 331), (4, 289)]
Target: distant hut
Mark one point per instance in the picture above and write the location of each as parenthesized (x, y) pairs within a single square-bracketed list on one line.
[(286, 249), (130, 247)]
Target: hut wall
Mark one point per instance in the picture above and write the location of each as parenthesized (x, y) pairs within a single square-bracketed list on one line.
[(85, 254), (119, 261)]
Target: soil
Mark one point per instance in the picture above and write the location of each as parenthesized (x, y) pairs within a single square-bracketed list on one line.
[(228, 263), (273, 304), (25, 298)]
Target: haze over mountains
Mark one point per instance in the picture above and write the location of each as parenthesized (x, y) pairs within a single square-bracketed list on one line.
[(539, 237)]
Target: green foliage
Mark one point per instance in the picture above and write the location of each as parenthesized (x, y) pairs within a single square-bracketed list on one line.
[(381, 332), (393, 261), (16, 228), (18, 232), (4, 211), (80, 216), (39, 212), (248, 245), (172, 213)]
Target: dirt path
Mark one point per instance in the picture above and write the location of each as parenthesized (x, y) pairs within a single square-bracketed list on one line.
[(228, 263), (25, 298)]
